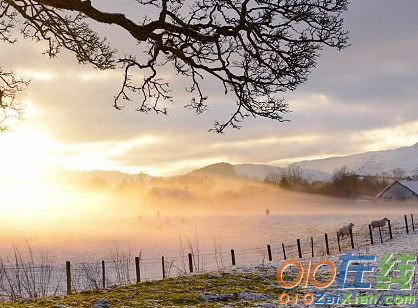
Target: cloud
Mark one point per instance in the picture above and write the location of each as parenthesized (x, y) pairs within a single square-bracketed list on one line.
[(358, 99), (380, 63)]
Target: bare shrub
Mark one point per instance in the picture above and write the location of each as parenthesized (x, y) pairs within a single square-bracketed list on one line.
[(122, 265), (87, 277), (28, 275)]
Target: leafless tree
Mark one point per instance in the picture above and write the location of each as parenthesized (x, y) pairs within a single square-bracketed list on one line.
[(398, 173), (273, 178), (9, 107), (290, 177), (9, 83), (344, 183), (255, 49)]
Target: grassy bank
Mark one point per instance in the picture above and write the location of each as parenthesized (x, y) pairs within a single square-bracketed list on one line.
[(235, 288)]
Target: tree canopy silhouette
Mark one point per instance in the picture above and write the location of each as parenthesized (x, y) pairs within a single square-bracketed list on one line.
[(255, 49)]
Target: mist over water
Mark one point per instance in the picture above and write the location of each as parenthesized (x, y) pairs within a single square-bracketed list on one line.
[(88, 223), (92, 239)]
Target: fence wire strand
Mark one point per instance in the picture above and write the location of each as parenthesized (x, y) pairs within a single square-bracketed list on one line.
[(21, 278)]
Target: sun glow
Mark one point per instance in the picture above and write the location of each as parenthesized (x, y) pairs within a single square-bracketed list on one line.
[(50, 201), (25, 155), (31, 201), (25, 161), (33, 186)]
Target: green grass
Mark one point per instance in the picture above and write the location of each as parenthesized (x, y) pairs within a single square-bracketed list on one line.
[(174, 292)]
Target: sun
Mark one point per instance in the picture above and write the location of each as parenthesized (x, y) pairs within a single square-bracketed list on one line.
[(25, 155), (30, 190), (25, 162)]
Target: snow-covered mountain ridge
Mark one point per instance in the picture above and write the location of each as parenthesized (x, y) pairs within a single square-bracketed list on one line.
[(369, 163)]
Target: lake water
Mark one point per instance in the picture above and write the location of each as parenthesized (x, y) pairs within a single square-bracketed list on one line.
[(154, 237), (210, 240)]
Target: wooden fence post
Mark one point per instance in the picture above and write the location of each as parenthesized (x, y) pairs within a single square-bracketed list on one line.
[(326, 243), (137, 270), (269, 253), (406, 224), (68, 272), (380, 233), (412, 221), (371, 234), (163, 265), (103, 275), (351, 237), (338, 241), (190, 263), (299, 249), (233, 257), (284, 251), (312, 247), (390, 230)]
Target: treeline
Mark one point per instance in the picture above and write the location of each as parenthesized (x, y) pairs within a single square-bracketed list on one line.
[(344, 183)]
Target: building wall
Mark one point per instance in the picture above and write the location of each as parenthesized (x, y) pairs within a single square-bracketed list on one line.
[(398, 193)]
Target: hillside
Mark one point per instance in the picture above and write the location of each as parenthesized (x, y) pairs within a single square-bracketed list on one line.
[(369, 163), (255, 171), (219, 169), (259, 172)]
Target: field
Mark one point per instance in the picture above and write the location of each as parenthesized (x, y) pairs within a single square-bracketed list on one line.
[(237, 286), (172, 246)]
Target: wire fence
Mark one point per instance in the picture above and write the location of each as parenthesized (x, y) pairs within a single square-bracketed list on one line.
[(30, 277)]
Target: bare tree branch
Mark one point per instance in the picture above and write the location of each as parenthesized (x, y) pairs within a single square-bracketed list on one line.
[(9, 107), (256, 49)]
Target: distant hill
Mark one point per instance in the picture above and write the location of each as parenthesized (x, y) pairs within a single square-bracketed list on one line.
[(255, 171), (220, 169), (369, 163), (259, 172)]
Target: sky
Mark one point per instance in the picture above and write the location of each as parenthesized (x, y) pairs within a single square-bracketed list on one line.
[(359, 99)]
